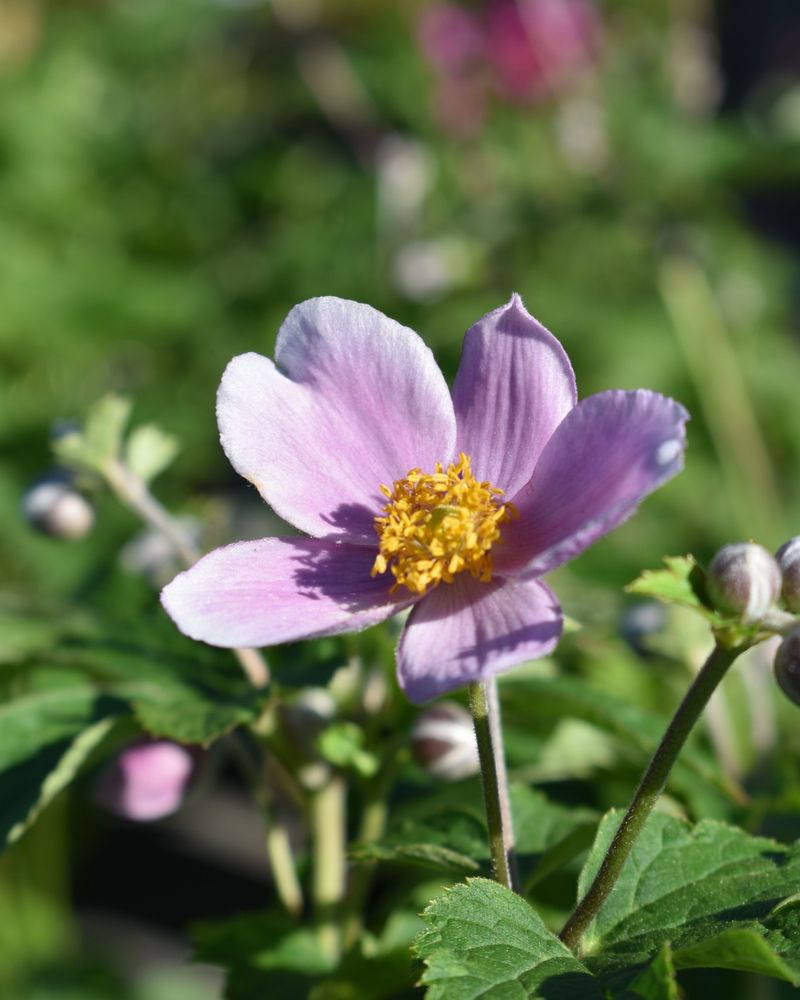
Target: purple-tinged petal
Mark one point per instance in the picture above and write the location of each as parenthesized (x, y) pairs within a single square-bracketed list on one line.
[(354, 400), (467, 631), (275, 590), (607, 455), (514, 387)]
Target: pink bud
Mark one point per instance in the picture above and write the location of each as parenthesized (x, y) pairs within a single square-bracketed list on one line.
[(146, 782)]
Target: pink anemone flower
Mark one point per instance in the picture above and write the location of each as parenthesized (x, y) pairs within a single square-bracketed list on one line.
[(146, 782), (452, 505)]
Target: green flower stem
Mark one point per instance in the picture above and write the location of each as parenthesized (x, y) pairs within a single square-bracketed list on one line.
[(485, 708), (281, 860), (133, 493), (329, 871), (650, 788)]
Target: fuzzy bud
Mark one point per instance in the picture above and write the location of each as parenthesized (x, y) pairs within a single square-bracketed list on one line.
[(744, 580), (443, 742), (787, 666), (146, 782), (788, 556), (54, 507)]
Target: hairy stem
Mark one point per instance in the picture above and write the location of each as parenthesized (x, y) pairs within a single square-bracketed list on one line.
[(134, 494), (650, 788), (485, 708)]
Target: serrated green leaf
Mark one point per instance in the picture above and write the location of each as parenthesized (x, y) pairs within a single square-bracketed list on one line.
[(680, 583), (483, 941), (425, 855), (657, 981), (149, 450), (689, 886), (171, 696)]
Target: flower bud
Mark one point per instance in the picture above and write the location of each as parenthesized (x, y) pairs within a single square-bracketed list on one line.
[(787, 666), (54, 507), (744, 580), (788, 556), (146, 782), (443, 742)]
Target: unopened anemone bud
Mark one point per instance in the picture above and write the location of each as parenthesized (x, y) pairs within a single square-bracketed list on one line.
[(53, 506), (744, 580), (787, 666), (788, 556), (146, 782), (443, 742)]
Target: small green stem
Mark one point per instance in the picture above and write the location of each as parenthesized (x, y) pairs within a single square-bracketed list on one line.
[(650, 788), (281, 860), (329, 872), (134, 494), (485, 708)]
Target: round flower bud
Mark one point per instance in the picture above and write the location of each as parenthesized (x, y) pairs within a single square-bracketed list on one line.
[(146, 782), (443, 742), (53, 506), (788, 556), (787, 666), (744, 580)]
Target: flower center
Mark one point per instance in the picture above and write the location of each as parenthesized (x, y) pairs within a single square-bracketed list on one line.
[(439, 524)]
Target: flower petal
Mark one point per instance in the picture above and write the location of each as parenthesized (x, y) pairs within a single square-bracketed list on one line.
[(467, 631), (356, 400), (607, 455), (274, 590), (514, 387)]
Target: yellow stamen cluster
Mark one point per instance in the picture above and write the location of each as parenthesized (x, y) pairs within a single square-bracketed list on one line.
[(439, 524)]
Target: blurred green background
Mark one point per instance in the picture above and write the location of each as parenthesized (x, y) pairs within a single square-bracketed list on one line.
[(176, 174)]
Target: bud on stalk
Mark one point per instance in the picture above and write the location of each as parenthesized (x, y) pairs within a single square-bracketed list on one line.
[(788, 556), (744, 580), (787, 666), (443, 742)]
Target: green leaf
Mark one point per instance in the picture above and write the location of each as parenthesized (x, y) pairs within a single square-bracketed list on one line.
[(40, 719), (534, 702), (100, 439), (693, 887), (63, 771), (682, 582), (657, 982), (426, 855), (262, 941), (171, 695), (105, 425), (343, 745), (483, 941), (744, 949), (149, 450)]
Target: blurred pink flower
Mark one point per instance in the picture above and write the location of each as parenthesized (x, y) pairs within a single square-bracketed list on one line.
[(146, 782), (525, 51)]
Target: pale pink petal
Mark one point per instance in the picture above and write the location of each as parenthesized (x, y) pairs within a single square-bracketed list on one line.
[(514, 387), (354, 400), (603, 460), (275, 590), (467, 631)]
